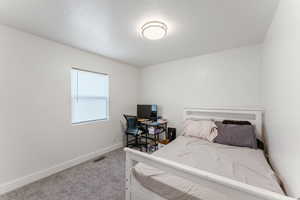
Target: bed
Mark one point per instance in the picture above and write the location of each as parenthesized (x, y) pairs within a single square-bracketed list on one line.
[(191, 168)]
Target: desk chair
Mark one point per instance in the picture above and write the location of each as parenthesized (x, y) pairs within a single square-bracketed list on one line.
[(132, 129)]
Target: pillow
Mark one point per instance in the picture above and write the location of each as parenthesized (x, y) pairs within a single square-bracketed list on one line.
[(260, 144), (203, 129), (236, 122), (236, 135)]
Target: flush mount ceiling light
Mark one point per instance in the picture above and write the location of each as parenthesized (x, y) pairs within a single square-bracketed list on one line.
[(154, 30)]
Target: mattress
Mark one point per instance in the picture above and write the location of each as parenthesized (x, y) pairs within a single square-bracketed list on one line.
[(241, 164)]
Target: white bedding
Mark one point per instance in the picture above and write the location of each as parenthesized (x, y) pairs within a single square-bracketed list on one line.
[(241, 164)]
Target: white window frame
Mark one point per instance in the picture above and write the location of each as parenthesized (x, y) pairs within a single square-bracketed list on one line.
[(108, 98)]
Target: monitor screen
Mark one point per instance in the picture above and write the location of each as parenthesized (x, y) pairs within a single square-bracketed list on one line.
[(147, 111)]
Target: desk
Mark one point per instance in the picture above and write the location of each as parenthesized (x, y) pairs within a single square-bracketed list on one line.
[(158, 128)]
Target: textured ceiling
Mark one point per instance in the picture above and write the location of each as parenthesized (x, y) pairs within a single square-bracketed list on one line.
[(110, 27)]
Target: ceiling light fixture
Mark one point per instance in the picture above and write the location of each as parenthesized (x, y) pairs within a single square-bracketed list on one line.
[(154, 30)]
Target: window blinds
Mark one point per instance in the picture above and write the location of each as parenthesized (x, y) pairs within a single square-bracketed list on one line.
[(90, 93)]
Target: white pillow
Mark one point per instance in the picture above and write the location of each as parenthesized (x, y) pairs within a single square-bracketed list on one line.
[(203, 129)]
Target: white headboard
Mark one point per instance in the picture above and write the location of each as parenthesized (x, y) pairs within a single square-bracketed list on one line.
[(218, 114)]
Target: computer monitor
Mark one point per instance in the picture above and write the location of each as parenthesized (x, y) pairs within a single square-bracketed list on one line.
[(147, 111)]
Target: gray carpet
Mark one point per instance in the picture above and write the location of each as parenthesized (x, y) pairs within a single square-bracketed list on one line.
[(103, 180)]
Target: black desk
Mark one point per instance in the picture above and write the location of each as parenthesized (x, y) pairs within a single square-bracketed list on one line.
[(159, 128)]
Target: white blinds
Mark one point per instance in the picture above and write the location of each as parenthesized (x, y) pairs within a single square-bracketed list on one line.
[(89, 96)]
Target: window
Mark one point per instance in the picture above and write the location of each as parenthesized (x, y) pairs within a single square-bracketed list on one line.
[(89, 96)]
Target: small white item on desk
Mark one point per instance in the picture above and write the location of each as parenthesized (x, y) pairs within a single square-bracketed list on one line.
[(162, 121), (151, 130)]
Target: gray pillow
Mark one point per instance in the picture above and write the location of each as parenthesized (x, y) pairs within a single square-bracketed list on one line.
[(236, 135)]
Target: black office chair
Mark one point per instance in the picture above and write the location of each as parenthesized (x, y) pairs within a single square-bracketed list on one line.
[(132, 129)]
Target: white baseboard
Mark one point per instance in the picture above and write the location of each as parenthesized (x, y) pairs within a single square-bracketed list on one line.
[(17, 183)]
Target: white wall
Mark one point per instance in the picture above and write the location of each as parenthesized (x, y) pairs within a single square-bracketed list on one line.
[(35, 111), (229, 78), (281, 93)]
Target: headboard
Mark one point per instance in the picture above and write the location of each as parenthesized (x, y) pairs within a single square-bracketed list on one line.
[(219, 114)]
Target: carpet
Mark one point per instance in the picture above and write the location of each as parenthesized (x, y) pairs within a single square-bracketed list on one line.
[(103, 180)]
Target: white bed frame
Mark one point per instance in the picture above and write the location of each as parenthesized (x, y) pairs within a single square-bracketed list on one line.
[(234, 190)]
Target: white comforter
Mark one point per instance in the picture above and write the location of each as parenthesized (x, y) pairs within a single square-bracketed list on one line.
[(241, 164)]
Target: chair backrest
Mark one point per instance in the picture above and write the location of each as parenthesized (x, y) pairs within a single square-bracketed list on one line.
[(131, 121)]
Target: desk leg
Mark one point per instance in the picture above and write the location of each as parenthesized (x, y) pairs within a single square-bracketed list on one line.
[(166, 131), (147, 135), (157, 142)]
